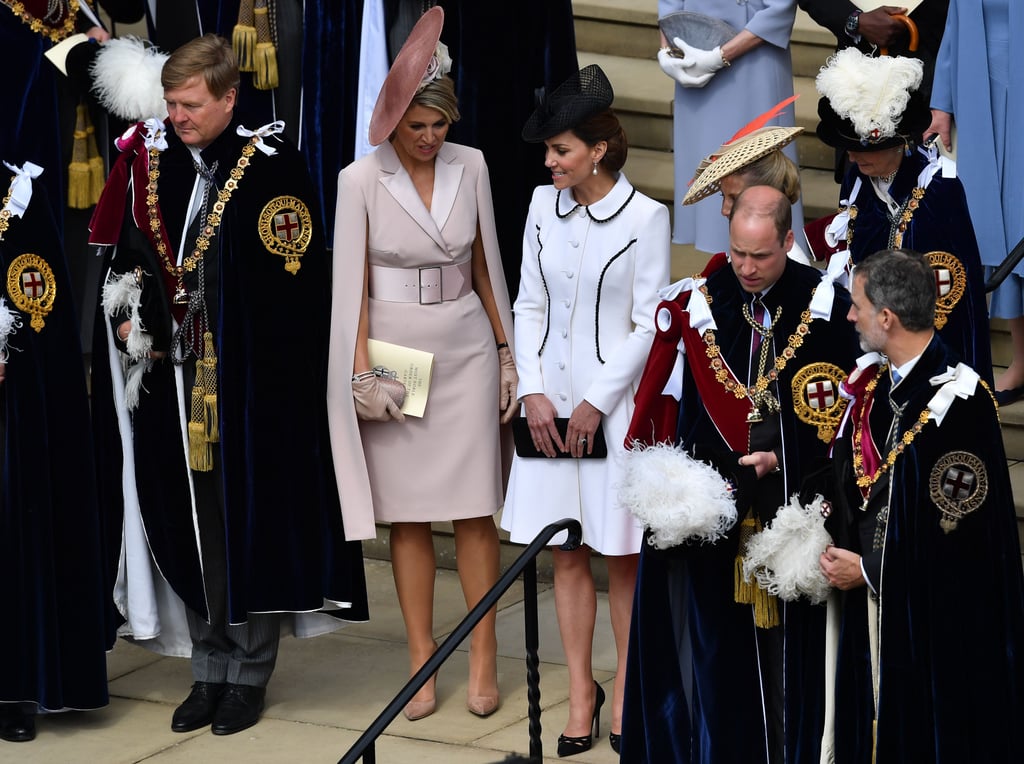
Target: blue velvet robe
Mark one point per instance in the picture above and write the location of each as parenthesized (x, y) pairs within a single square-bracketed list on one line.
[(951, 604), (285, 545), (941, 222), (693, 686), (58, 621)]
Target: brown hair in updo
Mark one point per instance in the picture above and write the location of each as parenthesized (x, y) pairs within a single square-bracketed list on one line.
[(605, 126)]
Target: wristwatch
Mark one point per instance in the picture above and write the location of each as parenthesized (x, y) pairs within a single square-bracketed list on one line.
[(853, 25)]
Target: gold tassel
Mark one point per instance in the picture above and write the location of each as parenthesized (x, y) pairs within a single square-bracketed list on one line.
[(200, 452), (265, 59), (212, 432), (745, 591), (78, 170), (243, 37)]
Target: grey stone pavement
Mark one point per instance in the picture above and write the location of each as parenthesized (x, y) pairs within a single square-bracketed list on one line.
[(325, 691)]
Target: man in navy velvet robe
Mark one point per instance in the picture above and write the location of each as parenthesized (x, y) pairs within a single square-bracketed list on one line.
[(211, 414), (708, 682), (926, 548)]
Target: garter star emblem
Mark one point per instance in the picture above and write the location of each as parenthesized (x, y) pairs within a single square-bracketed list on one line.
[(32, 287), (950, 284), (816, 398), (958, 485), (286, 228)]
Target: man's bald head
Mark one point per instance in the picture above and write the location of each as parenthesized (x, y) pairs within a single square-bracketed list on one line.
[(766, 202)]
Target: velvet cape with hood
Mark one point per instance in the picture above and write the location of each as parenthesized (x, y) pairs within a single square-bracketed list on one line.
[(942, 223), (951, 608), (56, 633), (286, 548), (684, 597)]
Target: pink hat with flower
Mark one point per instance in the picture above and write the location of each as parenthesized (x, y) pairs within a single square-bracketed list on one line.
[(422, 59)]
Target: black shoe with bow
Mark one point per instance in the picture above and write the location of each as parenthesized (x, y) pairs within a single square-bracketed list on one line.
[(239, 708), (570, 746), (198, 708)]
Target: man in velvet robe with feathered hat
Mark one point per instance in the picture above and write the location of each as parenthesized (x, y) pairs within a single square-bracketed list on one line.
[(720, 673), (211, 413), (926, 551)]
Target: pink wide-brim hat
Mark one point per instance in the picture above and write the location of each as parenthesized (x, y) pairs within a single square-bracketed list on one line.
[(405, 76)]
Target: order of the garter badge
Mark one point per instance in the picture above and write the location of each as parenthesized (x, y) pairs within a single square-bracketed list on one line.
[(816, 398), (950, 284), (286, 228), (32, 287), (958, 485)]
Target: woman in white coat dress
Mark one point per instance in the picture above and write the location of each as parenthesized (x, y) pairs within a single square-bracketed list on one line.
[(416, 263), (595, 253)]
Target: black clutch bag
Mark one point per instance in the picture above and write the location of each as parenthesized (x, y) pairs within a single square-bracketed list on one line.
[(526, 449)]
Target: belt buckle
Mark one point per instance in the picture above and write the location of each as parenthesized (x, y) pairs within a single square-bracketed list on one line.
[(430, 278)]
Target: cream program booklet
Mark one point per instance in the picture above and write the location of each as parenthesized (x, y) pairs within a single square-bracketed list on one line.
[(413, 367)]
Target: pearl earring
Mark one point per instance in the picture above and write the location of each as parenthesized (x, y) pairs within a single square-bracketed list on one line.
[(595, 169)]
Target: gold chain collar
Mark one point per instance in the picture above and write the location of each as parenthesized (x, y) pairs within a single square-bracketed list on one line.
[(865, 481), (758, 390), (897, 229), (55, 34), (213, 219), (5, 214)]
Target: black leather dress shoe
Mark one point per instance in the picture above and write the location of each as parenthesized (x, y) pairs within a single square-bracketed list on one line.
[(198, 708), (17, 726), (239, 708)]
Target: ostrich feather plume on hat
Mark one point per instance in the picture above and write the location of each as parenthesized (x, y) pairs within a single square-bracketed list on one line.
[(677, 497), (871, 94), (783, 558), (126, 79)]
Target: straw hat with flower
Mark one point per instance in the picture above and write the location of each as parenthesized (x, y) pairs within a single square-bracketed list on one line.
[(751, 143)]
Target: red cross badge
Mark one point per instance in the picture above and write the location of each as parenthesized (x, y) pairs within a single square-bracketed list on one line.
[(958, 485), (32, 287), (950, 284), (286, 228), (816, 400)]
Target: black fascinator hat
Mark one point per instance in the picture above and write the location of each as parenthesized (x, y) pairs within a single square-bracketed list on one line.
[(585, 93)]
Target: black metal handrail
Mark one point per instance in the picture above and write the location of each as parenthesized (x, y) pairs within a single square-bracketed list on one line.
[(525, 564)]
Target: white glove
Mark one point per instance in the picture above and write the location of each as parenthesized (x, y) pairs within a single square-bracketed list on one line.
[(700, 65), (675, 68)]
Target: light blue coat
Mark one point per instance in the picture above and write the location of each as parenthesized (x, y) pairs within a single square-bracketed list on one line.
[(707, 117), (985, 93)]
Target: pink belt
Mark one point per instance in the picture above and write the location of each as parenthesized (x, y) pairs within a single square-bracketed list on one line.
[(427, 286)]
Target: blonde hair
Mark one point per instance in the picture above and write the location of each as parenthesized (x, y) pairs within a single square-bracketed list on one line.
[(211, 57), (776, 170), (440, 95)]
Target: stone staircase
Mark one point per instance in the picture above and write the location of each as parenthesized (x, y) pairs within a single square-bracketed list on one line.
[(622, 37)]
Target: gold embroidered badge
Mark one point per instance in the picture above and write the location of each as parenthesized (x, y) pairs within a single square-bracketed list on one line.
[(958, 485), (286, 228), (950, 284), (816, 398), (32, 287)]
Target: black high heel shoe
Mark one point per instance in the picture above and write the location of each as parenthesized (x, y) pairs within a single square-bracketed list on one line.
[(570, 746), (615, 740)]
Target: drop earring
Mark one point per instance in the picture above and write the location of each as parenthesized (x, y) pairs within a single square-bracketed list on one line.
[(595, 169)]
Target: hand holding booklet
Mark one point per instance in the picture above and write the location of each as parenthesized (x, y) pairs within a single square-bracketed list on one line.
[(413, 368)]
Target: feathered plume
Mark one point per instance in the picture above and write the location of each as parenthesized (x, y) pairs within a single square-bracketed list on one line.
[(126, 79), (678, 498), (760, 121), (783, 558)]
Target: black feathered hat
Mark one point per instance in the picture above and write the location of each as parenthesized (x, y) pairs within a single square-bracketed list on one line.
[(585, 93)]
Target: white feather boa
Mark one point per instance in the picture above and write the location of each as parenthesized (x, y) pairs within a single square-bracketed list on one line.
[(783, 558), (10, 322), (676, 497), (126, 79)]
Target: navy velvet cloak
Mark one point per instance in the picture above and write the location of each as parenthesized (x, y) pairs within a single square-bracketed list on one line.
[(56, 600), (951, 604), (286, 549), (941, 222), (707, 706)]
